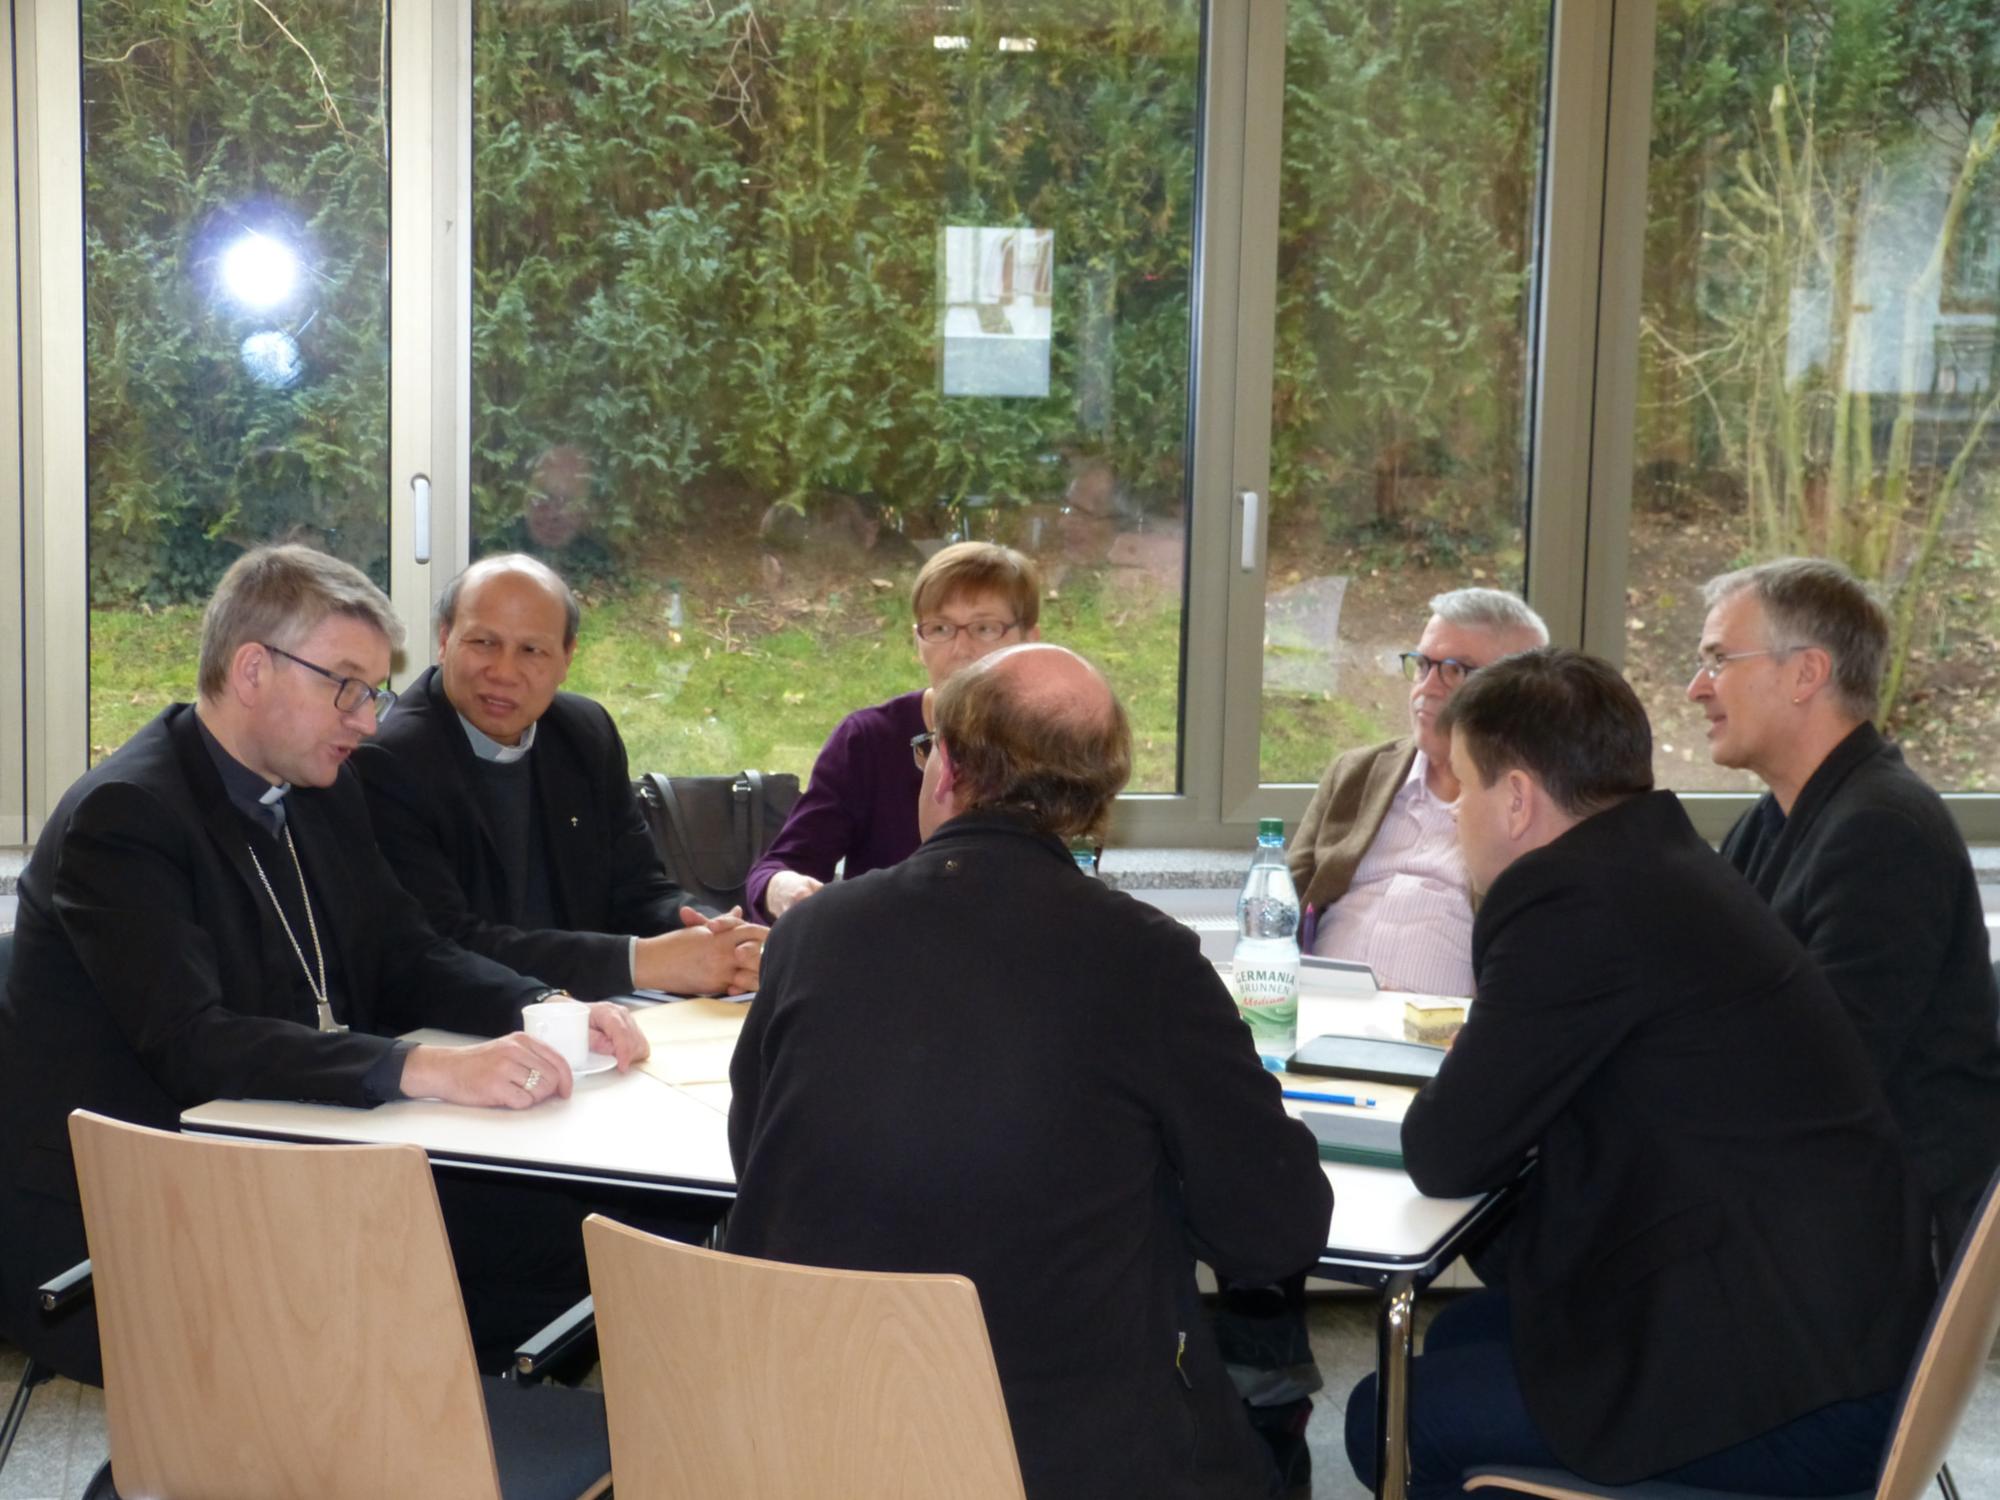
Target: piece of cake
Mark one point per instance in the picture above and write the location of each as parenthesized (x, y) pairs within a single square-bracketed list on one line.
[(1432, 1019)]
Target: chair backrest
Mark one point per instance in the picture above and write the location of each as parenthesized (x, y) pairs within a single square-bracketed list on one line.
[(6, 957), (1950, 1358), (278, 1321), (725, 1375)]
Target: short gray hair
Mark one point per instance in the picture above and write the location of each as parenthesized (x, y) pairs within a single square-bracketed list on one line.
[(278, 596), (1809, 601), (1489, 609), (447, 605)]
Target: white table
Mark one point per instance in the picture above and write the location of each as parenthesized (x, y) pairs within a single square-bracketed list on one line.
[(666, 1128), (1385, 1234), (634, 1129)]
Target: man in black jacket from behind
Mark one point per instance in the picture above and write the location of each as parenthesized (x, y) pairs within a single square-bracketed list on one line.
[(1720, 1266), (982, 1061), (506, 807)]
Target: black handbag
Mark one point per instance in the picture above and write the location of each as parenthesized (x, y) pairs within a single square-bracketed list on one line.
[(711, 829)]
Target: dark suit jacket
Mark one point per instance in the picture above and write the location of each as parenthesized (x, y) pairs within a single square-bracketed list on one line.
[(982, 1061), (1722, 1233), (604, 869), (1871, 875), (150, 973)]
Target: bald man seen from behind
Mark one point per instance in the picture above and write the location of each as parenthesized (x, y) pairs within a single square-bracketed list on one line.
[(982, 1061)]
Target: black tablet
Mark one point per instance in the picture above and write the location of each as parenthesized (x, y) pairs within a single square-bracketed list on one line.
[(1369, 1058)]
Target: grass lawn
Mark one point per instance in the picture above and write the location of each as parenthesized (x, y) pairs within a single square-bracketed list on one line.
[(725, 692), (1303, 734), (141, 660), (728, 689)]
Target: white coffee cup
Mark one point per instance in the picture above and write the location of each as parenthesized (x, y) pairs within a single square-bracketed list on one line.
[(563, 1025)]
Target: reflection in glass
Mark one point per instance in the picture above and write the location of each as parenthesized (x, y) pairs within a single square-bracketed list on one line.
[(771, 302), (236, 294), (1412, 148), (1819, 357), (995, 305)]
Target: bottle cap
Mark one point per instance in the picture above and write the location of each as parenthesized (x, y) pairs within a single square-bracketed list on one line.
[(1270, 828)]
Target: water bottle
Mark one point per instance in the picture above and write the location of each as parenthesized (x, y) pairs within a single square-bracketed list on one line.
[(1266, 966)]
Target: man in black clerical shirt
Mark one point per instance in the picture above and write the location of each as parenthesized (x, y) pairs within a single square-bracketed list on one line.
[(206, 916), (506, 807), (1859, 858)]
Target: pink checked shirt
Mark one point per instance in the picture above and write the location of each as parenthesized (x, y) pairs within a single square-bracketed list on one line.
[(1408, 914)]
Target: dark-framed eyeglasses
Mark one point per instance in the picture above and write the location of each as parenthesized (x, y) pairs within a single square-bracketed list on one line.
[(349, 693), (920, 747), (986, 632), (1451, 671)]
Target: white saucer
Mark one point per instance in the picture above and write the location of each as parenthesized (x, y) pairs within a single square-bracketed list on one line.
[(596, 1062)]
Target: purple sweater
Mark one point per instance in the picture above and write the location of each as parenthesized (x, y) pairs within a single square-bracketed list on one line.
[(861, 803)]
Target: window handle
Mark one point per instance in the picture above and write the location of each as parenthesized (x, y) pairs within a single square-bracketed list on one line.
[(1253, 505), (420, 492)]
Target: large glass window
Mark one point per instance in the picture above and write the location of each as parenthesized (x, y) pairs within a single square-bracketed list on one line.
[(236, 279), (1818, 352), (772, 301), (1406, 243)]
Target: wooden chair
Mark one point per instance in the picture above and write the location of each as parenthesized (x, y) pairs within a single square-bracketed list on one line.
[(284, 1321), (728, 1378), (1950, 1357)]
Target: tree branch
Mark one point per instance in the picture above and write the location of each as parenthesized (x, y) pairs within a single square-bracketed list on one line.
[(325, 88)]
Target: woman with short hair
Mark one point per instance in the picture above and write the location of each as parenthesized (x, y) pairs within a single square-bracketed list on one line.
[(970, 599)]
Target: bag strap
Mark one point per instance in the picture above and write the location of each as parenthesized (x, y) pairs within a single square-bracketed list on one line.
[(670, 804), (755, 848)]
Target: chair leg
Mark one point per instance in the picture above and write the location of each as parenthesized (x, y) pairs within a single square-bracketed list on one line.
[(100, 1486), (1946, 1483), (32, 1375)]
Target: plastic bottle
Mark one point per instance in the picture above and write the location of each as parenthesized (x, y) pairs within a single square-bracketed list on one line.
[(1265, 972)]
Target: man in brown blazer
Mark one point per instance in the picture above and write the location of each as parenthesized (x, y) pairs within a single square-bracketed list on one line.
[(1376, 857)]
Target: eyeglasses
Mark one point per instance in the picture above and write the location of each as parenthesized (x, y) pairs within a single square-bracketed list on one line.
[(349, 693), (1711, 663), (920, 747), (986, 632), (1451, 671)]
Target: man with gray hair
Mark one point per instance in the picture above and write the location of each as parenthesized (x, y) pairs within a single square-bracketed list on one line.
[(1061, 1102), (206, 916), (1858, 857), (1375, 857), (506, 806)]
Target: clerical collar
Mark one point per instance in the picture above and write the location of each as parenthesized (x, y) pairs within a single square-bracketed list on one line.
[(487, 748), (249, 793)]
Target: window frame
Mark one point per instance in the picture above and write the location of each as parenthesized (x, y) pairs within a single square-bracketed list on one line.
[(1583, 358), (13, 514)]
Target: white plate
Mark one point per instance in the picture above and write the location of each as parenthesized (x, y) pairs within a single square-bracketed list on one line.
[(596, 1062)]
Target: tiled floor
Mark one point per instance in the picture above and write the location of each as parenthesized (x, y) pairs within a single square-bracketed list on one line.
[(1343, 1335), (63, 1441)]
